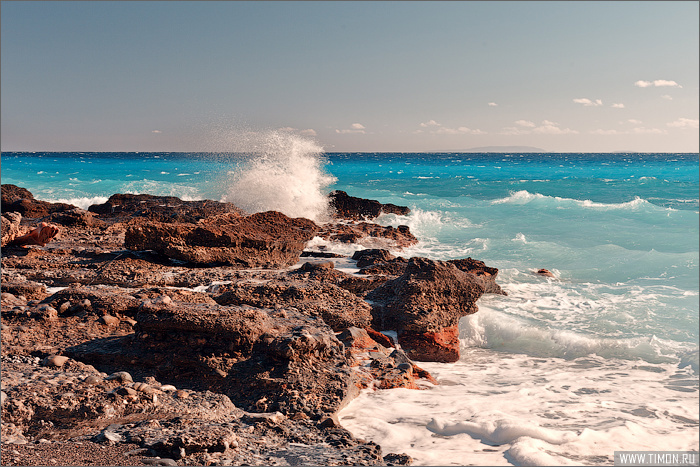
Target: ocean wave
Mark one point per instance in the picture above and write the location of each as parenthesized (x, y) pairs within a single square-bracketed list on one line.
[(81, 202), (525, 197), (498, 331)]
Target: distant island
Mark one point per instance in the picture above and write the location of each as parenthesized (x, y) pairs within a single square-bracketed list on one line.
[(505, 149)]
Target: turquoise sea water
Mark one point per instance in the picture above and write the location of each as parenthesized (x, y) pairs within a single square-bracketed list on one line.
[(619, 231)]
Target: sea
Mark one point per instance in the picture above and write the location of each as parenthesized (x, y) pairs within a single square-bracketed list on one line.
[(564, 370)]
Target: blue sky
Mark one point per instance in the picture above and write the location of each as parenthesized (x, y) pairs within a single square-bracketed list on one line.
[(354, 76)]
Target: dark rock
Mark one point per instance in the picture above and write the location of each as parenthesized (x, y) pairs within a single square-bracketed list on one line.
[(20, 200), (365, 232), (98, 300), (162, 208), (267, 239), (338, 307), (398, 459), (75, 218), (429, 297), (487, 275), (544, 272), (311, 266), (392, 268), (350, 282), (372, 256), (350, 207), (30, 289)]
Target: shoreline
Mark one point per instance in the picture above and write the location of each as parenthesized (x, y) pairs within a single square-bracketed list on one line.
[(84, 310)]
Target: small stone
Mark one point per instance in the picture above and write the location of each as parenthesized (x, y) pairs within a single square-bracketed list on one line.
[(112, 436), (182, 394), (3, 397), (121, 376), (124, 391), (168, 388), (158, 461), (64, 307), (92, 379), (136, 452), (110, 320), (55, 360)]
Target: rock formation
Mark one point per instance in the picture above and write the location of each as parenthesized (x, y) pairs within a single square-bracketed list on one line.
[(267, 239), (350, 207), (424, 305)]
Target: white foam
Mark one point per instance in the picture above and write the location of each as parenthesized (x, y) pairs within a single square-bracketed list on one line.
[(81, 202), (285, 173), (495, 408), (525, 197)]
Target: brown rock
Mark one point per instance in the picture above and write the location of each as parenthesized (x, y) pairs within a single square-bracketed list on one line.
[(162, 208), (487, 275), (20, 200), (427, 299), (338, 307), (440, 346), (55, 360), (366, 232), (10, 225), (268, 239)]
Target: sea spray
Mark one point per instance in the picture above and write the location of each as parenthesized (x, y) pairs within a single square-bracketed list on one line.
[(283, 172)]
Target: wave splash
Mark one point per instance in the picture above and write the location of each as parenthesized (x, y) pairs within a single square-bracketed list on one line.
[(284, 173), (525, 197)]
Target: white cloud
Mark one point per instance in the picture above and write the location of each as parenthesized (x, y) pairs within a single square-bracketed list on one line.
[(684, 123), (589, 103), (648, 131), (354, 128), (607, 132), (666, 83), (307, 132), (618, 106), (511, 130), (667, 97), (493, 104), (430, 123), (156, 131), (547, 127), (634, 122), (552, 128), (463, 130), (657, 83)]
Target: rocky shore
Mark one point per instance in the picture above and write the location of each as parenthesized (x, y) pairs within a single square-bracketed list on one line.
[(156, 331)]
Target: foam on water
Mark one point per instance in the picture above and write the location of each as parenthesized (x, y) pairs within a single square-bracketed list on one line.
[(496, 408), (284, 173)]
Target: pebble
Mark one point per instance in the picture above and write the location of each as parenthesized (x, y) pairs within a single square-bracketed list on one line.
[(3, 397), (110, 320), (182, 394), (121, 376), (92, 379), (158, 461), (168, 387), (55, 360)]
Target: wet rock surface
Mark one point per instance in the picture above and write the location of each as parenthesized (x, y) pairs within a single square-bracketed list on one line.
[(134, 356), (350, 207)]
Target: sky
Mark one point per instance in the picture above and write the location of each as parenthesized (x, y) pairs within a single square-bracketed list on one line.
[(403, 76)]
